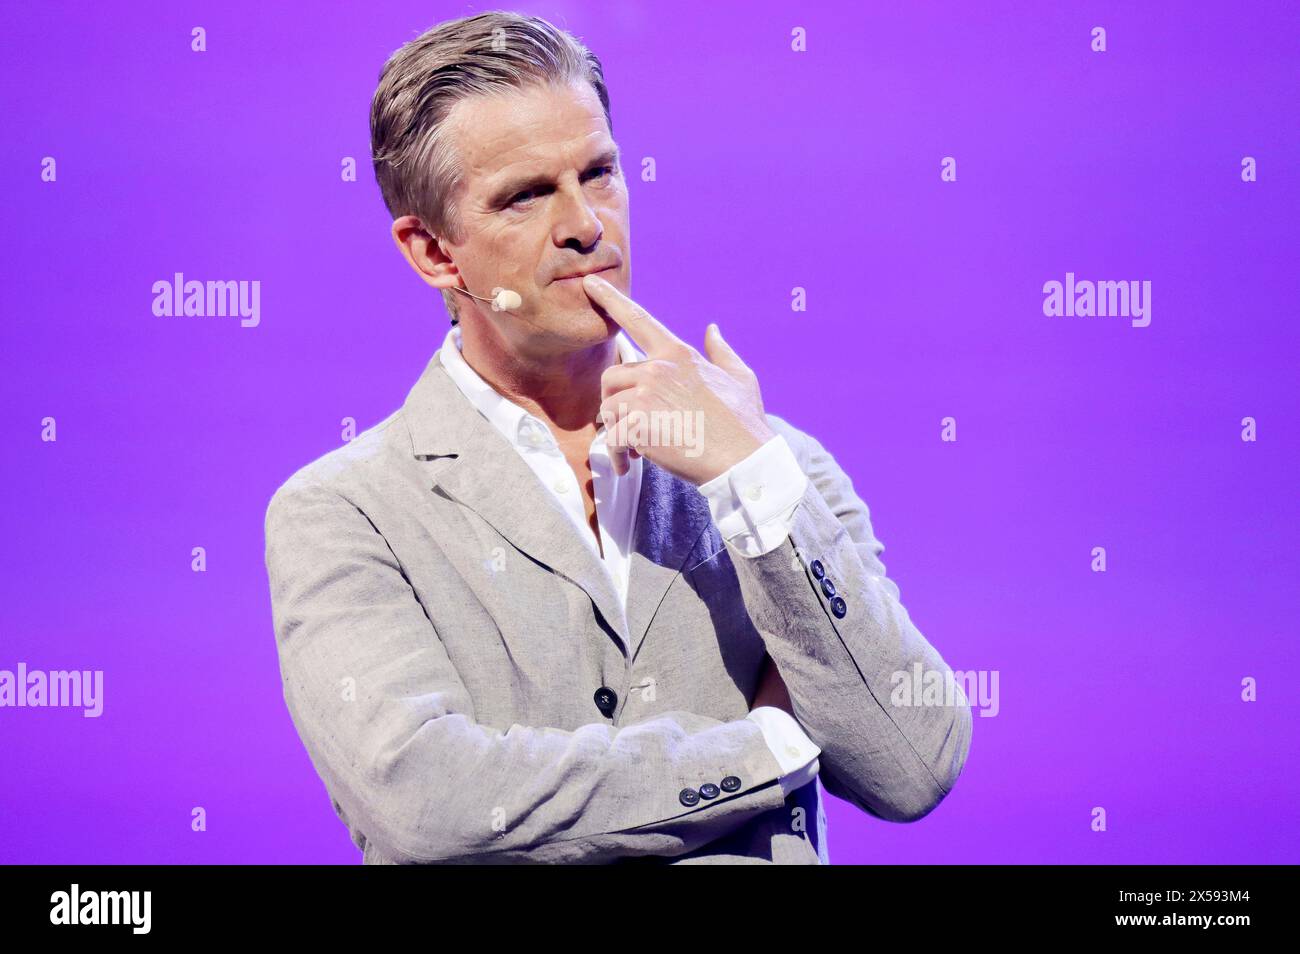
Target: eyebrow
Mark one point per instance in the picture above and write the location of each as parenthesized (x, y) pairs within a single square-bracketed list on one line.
[(500, 196)]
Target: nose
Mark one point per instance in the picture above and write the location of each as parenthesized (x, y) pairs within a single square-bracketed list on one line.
[(576, 225)]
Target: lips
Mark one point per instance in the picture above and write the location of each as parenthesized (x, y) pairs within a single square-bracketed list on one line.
[(577, 276)]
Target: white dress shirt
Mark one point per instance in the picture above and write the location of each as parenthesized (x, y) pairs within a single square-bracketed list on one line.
[(752, 505)]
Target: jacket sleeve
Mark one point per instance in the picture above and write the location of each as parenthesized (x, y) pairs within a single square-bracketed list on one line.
[(390, 728), (889, 757)]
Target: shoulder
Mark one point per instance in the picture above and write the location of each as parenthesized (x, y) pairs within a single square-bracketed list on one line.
[(346, 472)]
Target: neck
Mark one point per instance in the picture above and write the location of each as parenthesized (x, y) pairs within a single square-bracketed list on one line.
[(561, 388)]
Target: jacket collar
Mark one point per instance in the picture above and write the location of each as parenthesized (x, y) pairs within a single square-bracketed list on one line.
[(472, 462)]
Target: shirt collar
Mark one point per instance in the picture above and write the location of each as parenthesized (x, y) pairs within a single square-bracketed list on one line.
[(522, 429)]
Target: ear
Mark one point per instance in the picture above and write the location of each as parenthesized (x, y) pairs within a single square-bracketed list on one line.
[(424, 253)]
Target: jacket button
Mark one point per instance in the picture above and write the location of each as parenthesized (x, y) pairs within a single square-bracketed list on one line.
[(606, 701), (817, 569), (828, 587), (838, 607), (709, 790), (730, 783), (688, 797)]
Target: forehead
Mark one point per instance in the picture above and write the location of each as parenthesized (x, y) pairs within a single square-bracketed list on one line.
[(530, 130)]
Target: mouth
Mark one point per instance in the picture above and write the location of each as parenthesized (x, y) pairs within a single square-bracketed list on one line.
[(575, 279)]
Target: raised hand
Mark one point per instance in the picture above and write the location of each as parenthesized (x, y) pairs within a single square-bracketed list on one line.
[(706, 408)]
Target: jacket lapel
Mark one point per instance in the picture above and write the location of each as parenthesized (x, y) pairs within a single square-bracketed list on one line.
[(671, 518), (475, 465)]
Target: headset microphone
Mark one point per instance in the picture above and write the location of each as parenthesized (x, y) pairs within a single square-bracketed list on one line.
[(503, 299)]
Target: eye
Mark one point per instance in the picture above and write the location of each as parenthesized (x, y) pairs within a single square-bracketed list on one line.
[(524, 199)]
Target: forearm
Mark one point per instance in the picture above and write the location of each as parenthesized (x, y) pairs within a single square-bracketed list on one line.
[(897, 761)]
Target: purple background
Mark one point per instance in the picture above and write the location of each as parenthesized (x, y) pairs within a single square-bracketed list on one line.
[(775, 169)]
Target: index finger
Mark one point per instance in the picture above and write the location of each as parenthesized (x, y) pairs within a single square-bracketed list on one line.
[(646, 331)]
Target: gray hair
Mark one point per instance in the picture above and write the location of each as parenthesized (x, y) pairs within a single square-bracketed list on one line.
[(416, 168)]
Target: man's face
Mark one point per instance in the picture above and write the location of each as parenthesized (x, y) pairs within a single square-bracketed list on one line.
[(543, 197)]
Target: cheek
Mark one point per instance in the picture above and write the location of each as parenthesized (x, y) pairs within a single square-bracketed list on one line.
[(513, 258)]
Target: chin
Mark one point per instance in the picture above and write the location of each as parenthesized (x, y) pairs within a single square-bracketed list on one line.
[(589, 326)]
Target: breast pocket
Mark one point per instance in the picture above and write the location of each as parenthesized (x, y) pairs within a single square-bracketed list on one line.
[(710, 571)]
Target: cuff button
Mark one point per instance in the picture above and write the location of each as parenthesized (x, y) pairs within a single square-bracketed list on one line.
[(828, 587), (818, 571), (730, 783), (709, 790), (688, 797), (838, 607)]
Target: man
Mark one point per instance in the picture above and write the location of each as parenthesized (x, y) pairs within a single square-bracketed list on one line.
[(514, 628)]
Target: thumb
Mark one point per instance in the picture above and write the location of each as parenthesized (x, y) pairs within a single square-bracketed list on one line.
[(720, 352)]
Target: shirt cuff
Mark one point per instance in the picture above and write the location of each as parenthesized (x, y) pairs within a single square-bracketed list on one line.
[(753, 503), (790, 745)]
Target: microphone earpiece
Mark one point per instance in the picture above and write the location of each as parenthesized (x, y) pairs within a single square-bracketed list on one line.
[(503, 299)]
